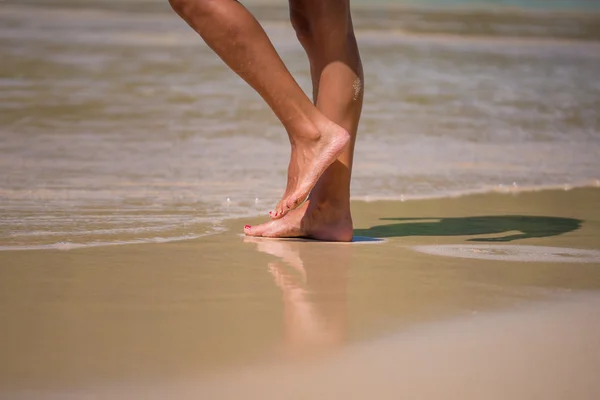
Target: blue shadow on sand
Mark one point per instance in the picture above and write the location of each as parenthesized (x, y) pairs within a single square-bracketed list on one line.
[(528, 226)]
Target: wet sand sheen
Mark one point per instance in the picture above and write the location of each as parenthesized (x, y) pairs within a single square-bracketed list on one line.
[(98, 320), (115, 115)]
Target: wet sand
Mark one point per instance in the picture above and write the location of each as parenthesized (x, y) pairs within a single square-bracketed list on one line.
[(386, 316)]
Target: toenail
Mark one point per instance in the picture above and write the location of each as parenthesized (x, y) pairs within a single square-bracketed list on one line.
[(247, 226)]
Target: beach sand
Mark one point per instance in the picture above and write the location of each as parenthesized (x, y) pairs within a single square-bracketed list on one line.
[(481, 296)]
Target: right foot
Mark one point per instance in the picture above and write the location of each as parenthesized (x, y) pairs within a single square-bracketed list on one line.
[(310, 221), (310, 158)]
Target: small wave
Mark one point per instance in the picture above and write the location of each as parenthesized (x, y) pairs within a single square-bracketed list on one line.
[(72, 245), (518, 253), (112, 231), (513, 188), (375, 37)]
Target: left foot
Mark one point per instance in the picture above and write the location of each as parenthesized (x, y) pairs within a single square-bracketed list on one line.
[(320, 222), (309, 159)]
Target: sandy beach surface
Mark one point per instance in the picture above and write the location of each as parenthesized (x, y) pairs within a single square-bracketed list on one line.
[(484, 296)]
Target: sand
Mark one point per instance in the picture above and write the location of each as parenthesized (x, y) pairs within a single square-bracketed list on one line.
[(490, 315)]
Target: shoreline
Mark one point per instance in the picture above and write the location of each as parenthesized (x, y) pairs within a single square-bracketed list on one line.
[(218, 226)]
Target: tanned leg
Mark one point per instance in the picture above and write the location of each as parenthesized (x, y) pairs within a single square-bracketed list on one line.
[(325, 30), (235, 35)]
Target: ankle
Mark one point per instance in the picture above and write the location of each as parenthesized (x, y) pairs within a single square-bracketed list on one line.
[(303, 130), (326, 221), (329, 208), (332, 191)]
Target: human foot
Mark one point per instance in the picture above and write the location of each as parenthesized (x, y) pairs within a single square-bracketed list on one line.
[(311, 155), (310, 220)]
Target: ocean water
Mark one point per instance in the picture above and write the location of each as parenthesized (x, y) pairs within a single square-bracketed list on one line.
[(119, 125)]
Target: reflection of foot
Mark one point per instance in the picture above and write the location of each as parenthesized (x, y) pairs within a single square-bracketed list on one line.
[(318, 222), (310, 158), (281, 249), (290, 287)]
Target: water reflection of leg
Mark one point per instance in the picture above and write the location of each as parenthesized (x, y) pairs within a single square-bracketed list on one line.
[(282, 250), (313, 286), (303, 325)]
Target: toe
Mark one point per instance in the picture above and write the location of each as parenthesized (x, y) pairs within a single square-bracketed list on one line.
[(293, 202), (274, 212), (278, 212), (281, 213), (257, 230)]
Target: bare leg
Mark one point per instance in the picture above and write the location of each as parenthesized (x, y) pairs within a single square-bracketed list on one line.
[(325, 30), (235, 35)]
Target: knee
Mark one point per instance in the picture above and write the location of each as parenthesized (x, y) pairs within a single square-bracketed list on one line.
[(301, 24), (318, 22), (181, 7), (189, 8)]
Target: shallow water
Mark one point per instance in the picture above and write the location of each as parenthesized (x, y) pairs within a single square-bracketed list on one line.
[(119, 125)]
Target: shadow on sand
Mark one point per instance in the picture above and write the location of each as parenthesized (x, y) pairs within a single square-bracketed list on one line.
[(529, 226)]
